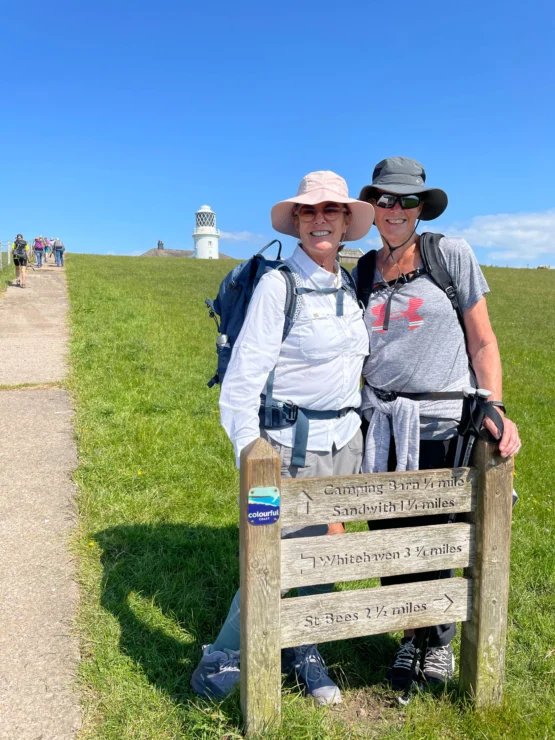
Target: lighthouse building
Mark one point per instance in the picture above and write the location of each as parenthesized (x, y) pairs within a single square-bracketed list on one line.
[(206, 235)]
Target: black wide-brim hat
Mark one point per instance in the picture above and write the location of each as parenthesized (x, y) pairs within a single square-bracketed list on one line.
[(403, 176)]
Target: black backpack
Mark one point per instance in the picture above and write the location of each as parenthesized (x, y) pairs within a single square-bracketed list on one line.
[(475, 408), (20, 250)]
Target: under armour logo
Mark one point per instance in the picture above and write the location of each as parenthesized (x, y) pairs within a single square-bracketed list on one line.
[(415, 320)]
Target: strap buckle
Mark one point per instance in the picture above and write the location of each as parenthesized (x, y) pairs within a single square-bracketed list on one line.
[(385, 395), (451, 293), (279, 415)]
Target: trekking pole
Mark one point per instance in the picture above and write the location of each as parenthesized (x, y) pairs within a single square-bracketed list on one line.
[(477, 413), (411, 687)]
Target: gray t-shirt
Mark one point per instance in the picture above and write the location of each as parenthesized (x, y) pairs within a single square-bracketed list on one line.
[(424, 347)]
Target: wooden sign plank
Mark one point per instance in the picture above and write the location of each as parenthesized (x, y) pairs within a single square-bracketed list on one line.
[(307, 561), (339, 616), (377, 496)]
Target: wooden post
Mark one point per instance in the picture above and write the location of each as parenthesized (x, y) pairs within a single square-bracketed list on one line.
[(260, 562), (483, 636)]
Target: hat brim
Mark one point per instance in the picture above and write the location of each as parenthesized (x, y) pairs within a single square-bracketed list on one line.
[(362, 213), (435, 202)]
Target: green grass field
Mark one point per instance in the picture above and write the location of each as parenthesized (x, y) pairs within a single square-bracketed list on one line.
[(158, 538), (7, 274)]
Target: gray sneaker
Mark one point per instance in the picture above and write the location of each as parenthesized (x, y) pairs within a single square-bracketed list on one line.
[(439, 664), (312, 674), (217, 674)]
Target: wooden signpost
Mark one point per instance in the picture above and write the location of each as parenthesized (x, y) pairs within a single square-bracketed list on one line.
[(479, 542)]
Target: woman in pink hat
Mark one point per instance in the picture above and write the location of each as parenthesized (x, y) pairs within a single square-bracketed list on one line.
[(313, 379)]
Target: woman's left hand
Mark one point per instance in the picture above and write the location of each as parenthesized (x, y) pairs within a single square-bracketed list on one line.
[(510, 443)]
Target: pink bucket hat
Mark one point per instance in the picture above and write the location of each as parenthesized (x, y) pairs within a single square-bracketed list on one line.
[(320, 187)]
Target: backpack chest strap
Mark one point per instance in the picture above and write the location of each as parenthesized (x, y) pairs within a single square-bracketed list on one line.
[(339, 292)]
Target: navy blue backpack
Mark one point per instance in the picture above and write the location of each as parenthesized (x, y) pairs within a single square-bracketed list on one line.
[(233, 299)]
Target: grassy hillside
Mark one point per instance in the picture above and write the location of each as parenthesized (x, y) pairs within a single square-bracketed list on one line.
[(158, 539), (7, 274)]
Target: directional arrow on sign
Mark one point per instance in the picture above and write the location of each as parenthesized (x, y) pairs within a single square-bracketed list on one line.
[(303, 503), (445, 600), (305, 565)]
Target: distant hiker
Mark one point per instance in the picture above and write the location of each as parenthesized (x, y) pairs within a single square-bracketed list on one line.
[(160, 244), (20, 254), (38, 246), (299, 393), (59, 250), (430, 337), (47, 248)]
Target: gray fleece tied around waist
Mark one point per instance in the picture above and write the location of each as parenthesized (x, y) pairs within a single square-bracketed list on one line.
[(401, 418)]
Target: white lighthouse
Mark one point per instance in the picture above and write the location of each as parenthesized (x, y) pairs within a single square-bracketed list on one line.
[(206, 234)]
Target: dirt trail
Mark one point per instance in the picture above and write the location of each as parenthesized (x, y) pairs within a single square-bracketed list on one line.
[(38, 594)]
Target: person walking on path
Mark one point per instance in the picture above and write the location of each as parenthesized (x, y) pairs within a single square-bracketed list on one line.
[(20, 254), (38, 247), (59, 250), (310, 379), (428, 342), (47, 248)]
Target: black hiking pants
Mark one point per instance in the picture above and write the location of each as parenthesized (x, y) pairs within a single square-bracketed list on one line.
[(433, 454)]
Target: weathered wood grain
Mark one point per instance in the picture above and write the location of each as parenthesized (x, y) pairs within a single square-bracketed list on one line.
[(339, 616), (377, 496), (484, 635), (260, 596), (349, 557)]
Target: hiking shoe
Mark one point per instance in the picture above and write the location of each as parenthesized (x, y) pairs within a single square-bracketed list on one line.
[(400, 672), (217, 674), (312, 674), (439, 664)]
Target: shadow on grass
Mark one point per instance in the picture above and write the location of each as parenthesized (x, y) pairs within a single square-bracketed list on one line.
[(170, 586)]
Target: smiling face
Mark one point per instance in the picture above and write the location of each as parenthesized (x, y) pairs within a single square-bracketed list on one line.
[(396, 224), (321, 232)]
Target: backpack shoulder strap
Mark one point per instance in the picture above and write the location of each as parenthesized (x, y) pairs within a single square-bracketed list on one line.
[(290, 298), (347, 280), (290, 310), (429, 250), (365, 274)]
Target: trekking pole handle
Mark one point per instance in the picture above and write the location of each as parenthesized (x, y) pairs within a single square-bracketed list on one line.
[(481, 393), (485, 409)]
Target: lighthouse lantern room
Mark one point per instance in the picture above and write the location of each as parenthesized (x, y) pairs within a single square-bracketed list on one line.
[(206, 235)]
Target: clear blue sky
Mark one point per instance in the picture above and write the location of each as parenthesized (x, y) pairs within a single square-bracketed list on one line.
[(121, 118)]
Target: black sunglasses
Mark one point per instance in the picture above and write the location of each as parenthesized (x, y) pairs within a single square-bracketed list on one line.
[(388, 200)]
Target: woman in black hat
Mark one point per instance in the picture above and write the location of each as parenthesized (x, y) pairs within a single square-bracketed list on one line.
[(430, 333)]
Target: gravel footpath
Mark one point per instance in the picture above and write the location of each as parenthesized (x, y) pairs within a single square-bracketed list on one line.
[(39, 649)]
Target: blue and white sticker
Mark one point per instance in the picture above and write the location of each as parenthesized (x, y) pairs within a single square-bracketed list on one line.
[(263, 506)]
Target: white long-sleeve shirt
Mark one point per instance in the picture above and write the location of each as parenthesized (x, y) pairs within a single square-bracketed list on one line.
[(317, 367)]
